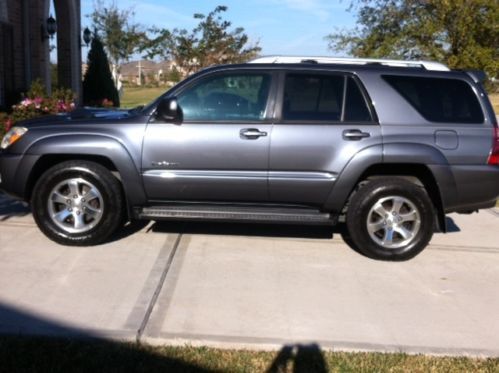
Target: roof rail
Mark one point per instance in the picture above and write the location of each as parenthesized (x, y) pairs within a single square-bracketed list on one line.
[(428, 65)]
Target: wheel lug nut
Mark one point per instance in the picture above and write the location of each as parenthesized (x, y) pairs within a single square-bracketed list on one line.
[(75, 196), (83, 199), (70, 209)]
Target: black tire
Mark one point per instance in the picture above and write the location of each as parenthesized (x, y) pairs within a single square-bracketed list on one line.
[(110, 203), (345, 235), (364, 206)]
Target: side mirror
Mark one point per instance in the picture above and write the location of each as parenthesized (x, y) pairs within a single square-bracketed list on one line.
[(169, 111)]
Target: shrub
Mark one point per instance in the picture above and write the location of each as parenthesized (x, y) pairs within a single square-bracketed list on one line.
[(98, 84)]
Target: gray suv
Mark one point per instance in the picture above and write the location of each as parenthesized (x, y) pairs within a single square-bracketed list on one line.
[(384, 148)]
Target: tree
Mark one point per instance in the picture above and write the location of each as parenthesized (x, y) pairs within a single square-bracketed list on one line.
[(120, 35), (461, 33), (98, 84), (211, 42), (173, 75)]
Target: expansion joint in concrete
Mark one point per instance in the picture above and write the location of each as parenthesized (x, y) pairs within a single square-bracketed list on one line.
[(157, 291)]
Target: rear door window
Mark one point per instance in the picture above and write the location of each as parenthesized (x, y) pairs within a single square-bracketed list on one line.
[(356, 109), (439, 100), (321, 97)]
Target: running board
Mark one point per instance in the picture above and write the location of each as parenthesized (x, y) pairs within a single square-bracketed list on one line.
[(237, 214)]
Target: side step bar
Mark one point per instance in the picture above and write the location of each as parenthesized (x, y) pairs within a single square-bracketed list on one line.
[(237, 214)]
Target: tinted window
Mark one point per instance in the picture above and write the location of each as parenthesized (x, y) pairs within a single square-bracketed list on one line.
[(238, 97), (439, 100), (356, 109), (313, 97)]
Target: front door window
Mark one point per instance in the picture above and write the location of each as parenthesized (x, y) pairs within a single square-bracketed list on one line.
[(226, 98)]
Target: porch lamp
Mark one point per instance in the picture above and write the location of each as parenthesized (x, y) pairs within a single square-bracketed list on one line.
[(87, 36), (50, 28)]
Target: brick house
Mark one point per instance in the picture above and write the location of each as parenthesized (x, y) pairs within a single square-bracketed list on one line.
[(24, 46)]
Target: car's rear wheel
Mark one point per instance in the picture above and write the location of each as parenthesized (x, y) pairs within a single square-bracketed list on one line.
[(390, 219), (78, 203)]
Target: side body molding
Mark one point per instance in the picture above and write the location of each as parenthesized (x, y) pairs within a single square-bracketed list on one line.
[(93, 145)]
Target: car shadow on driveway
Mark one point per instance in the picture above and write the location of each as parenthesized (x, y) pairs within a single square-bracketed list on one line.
[(10, 208), (128, 229), (245, 229), (452, 227), (260, 230), (267, 230)]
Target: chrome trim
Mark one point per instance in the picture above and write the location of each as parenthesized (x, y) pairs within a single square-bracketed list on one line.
[(428, 65), (223, 174), (203, 174), (300, 175)]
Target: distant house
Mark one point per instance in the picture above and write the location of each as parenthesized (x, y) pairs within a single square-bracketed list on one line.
[(24, 46), (146, 71)]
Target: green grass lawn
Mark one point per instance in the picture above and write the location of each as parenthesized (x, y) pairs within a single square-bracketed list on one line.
[(136, 96), (33, 354)]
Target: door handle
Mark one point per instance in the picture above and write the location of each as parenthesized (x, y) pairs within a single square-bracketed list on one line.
[(252, 133), (355, 135)]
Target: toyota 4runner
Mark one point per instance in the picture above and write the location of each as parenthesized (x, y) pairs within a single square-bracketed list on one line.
[(385, 147)]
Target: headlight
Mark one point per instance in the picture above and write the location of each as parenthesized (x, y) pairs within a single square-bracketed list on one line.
[(12, 136)]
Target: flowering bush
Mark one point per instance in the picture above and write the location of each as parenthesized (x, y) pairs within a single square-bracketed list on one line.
[(36, 103), (107, 103), (5, 124)]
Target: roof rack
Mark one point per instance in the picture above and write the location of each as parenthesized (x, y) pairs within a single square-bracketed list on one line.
[(428, 65)]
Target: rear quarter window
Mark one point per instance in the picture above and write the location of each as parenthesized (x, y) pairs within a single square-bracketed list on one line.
[(438, 99)]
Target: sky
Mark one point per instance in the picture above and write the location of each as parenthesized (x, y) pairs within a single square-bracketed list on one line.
[(289, 27)]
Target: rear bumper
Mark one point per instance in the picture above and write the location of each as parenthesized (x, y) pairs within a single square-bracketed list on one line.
[(477, 188)]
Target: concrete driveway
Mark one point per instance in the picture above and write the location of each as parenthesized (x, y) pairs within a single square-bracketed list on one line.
[(253, 286)]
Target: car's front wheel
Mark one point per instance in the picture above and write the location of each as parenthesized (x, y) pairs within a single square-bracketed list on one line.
[(390, 219), (78, 203)]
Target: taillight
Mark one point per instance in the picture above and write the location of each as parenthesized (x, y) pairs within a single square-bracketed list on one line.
[(494, 154)]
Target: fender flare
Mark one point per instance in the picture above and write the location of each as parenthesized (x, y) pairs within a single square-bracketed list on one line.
[(94, 145), (348, 177), (395, 153)]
